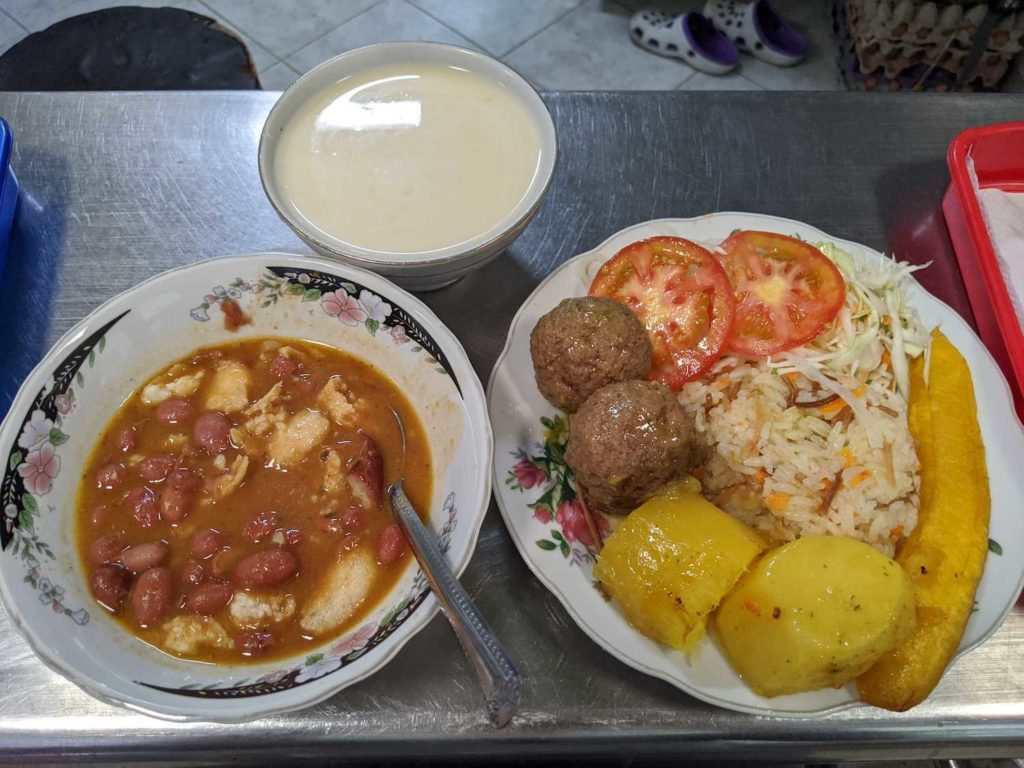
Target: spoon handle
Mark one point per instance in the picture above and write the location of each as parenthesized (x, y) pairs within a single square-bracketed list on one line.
[(499, 679)]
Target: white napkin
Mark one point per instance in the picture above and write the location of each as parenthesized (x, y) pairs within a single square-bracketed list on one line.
[(1004, 219)]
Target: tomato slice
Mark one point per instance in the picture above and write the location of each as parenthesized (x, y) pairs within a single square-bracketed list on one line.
[(682, 296), (787, 291)]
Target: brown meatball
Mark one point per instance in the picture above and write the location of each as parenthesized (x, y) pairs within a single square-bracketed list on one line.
[(627, 441), (583, 344)]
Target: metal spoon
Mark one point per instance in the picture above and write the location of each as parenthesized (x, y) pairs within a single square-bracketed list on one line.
[(497, 675)]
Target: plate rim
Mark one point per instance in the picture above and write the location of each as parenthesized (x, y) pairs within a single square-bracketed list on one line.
[(565, 600), (416, 623)]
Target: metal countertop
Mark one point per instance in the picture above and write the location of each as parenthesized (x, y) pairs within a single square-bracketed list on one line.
[(118, 187)]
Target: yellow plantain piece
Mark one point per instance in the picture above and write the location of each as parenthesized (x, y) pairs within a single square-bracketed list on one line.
[(945, 554)]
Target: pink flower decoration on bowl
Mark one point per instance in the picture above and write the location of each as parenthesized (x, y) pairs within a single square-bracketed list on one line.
[(528, 474), (356, 640), (543, 514), (344, 307), (574, 524), (39, 470), (64, 404)]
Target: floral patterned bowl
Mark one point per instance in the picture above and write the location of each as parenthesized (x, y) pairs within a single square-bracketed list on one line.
[(69, 397)]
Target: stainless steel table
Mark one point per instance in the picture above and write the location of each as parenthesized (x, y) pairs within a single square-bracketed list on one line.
[(119, 187)]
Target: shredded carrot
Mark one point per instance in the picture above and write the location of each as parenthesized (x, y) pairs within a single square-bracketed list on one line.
[(834, 407), (860, 477), (793, 375), (895, 533), (698, 473), (848, 457), (721, 382), (886, 357), (761, 476), (838, 404), (753, 607), (778, 502)]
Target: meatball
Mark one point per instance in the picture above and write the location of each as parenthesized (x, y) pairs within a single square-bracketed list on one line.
[(627, 441), (583, 344)]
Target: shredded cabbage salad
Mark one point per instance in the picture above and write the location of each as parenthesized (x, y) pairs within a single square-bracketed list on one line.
[(877, 319)]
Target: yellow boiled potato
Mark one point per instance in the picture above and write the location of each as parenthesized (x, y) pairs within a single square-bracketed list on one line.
[(813, 613), (670, 562)]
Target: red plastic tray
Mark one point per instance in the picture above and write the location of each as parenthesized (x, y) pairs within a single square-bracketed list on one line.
[(998, 154)]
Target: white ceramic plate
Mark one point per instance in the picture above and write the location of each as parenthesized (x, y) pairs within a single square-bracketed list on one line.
[(71, 395), (551, 535)]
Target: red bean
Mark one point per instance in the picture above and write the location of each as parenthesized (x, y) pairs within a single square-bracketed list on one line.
[(209, 598), (142, 557), (283, 367), (175, 504), (100, 513), (193, 574), (259, 526), (251, 642), (329, 525), (390, 544), (266, 568), (206, 542), (105, 550), (367, 474), (293, 536), (307, 385), (212, 431), (145, 508), (174, 410), (109, 584), (126, 439), (151, 595), (110, 476), (351, 521), (184, 479), (155, 468)]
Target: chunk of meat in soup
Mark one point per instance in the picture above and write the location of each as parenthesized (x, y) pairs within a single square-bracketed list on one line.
[(366, 477), (252, 610), (187, 634), (336, 400), (161, 389), (229, 390), (293, 441), (220, 486)]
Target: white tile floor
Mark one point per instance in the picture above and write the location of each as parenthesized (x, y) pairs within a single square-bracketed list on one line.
[(557, 44)]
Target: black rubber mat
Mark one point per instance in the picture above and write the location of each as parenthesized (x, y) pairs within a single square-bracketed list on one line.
[(129, 49)]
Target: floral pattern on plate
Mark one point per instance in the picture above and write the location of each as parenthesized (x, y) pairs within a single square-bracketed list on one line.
[(543, 468)]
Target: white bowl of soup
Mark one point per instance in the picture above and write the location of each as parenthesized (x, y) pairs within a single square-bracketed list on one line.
[(195, 523), (419, 161)]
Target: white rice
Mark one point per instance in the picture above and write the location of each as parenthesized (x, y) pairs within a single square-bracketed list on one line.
[(775, 465)]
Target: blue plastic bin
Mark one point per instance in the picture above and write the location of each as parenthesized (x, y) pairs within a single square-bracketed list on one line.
[(8, 190)]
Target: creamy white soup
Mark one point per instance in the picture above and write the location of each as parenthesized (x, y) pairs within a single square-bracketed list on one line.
[(408, 158)]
